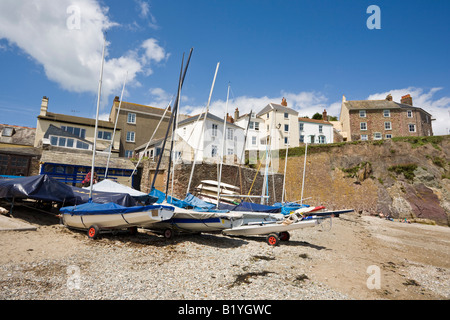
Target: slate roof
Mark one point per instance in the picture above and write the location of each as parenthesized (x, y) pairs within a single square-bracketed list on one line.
[(276, 107), (20, 135), (378, 104)]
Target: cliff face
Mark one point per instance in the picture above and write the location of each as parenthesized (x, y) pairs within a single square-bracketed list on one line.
[(404, 178)]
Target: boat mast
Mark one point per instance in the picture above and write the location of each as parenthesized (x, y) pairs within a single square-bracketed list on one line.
[(203, 128), (304, 170), (170, 123), (223, 147), (115, 126), (175, 116), (96, 117), (285, 165)]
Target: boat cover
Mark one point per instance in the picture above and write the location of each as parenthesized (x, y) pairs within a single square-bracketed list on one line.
[(107, 208), (161, 196), (108, 185), (45, 188)]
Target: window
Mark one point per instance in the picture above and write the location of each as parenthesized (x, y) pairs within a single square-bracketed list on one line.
[(363, 126), (301, 126), (230, 151), (7, 132), (257, 126), (409, 113), (213, 151), (364, 137), (377, 136), (229, 134), (131, 118), (253, 141), (286, 140), (128, 153), (251, 125), (320, 128), (79, 132), (286, 115), (412, 127), (214, 130), (267, 115), (54, 141), (388, 136), (105, 135), (302, 139), (286, 128), (386, 113), (387, 126), (69, 143), (362, 113), (82, 145), (62, 142), (312, 139), (253, 115), (321, 139), (130, 136)]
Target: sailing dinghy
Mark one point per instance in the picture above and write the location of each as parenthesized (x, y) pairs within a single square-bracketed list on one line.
[(110, 216)]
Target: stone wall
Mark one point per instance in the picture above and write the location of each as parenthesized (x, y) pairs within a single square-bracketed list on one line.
[(361, 176), (209, 171)]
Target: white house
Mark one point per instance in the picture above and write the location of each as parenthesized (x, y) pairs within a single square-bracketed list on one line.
[(315, 131), (256, 135), (204, 140)]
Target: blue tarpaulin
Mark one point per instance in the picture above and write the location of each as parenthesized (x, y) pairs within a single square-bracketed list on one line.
[(162, 196), (45, 188)]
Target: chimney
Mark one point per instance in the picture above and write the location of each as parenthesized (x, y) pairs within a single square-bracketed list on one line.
[(229, 118), (283, 102), (116, 98), (236, 114), (344, 99), (44, 106), (324, 115), (389, 97), (406, 100)]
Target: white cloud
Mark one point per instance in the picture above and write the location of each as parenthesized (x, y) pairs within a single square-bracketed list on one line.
[(439, 108), (66, 38), (306, 103)]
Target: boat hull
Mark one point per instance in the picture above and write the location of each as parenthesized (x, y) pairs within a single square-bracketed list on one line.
[(193, 221), (262, 229), (140, 219)]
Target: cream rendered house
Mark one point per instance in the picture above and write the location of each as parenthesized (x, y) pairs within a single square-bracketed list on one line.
[(280, 125)]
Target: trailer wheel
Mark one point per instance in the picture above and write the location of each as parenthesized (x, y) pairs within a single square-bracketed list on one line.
[(272, 240), (93, 232), (133, 230), (168, 233), (284, 236)]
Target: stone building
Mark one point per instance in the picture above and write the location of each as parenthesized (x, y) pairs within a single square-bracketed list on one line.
[(383, 119)]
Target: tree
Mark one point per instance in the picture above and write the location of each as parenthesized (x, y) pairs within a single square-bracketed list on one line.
[(317, 116)]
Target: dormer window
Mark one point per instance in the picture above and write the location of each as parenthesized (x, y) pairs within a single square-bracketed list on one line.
[(7, 132)]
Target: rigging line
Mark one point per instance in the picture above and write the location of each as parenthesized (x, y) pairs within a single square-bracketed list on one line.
[(151, 139), (115, 126)]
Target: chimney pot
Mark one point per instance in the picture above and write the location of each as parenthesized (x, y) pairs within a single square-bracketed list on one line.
[(406, 99), (283, 102), (389, 97)]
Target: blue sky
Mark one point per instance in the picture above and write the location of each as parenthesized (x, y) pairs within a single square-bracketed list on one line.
[(311, 52)]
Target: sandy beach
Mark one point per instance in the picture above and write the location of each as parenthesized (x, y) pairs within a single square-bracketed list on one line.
[(359, 258)]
